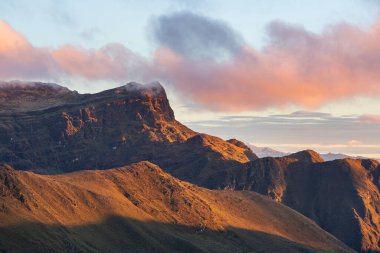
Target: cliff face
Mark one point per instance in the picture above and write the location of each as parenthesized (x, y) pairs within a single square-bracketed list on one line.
[(140, 208), (45, 131)]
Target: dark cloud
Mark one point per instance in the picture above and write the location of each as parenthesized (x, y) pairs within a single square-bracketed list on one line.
[(195, 36)]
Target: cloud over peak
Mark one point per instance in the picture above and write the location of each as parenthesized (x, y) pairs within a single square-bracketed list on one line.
[(296, 67), (208, 62)]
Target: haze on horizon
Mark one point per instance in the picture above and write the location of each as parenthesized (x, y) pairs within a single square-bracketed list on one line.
[(287, 74)]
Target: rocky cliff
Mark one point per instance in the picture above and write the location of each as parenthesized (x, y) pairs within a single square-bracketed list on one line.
[(49, 129)]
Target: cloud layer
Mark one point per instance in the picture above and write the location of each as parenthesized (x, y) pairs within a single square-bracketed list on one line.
[(299, 130), (20, 59), (206, 61), (296, 67), (371, 119)]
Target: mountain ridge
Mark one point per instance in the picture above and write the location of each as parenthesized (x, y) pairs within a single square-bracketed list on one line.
[(129, 125), (262, 152), (143, 209)]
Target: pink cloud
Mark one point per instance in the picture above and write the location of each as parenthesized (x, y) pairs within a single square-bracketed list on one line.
[(297, 67), (20, 59), (371, 119), (112, 62)]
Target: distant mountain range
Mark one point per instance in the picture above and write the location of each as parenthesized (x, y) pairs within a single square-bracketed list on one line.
[(269, 152), (84, 204)]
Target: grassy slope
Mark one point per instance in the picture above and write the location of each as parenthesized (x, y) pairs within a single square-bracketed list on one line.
[(139, 208)]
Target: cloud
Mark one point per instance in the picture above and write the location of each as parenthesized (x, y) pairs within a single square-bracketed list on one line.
[(312, 130), (296, 67), (208, 63), (371, 119), (294, 119), (196, 37), (111, 62), (20, 59), (355, 143), (305, 115)]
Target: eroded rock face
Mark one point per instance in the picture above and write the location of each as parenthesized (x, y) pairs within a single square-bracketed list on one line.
[(112, 128)]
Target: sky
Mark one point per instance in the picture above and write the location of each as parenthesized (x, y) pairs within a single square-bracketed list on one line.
[(288, 74)]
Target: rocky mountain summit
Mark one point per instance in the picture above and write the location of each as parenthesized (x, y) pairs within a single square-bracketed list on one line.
[(49, 129)]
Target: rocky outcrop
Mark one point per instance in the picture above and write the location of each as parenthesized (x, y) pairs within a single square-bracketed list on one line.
[(112, 128)]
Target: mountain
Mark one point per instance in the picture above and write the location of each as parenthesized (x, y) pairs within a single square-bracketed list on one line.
[(334, 156), (266, 152), (269, 152), (17, 96), (133, 123), (41, 130), (342, 196), (140, 208)]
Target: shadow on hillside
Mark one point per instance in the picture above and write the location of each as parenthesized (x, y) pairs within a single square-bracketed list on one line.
[(119, 234)]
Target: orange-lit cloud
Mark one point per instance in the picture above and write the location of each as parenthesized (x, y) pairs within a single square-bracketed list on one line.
[(370, 119), (296, 67), (112, 62), (20, 59)]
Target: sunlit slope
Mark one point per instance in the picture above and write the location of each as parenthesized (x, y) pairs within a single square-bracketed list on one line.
[(139, 208)]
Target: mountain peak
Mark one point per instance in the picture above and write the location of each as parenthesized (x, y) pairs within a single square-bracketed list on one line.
[(307, 156), (238, 143), (18, 96), (149, 89), (16, 84)]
